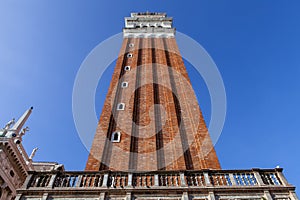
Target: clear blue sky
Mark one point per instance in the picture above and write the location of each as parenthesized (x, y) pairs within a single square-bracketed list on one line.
[(255, 44)]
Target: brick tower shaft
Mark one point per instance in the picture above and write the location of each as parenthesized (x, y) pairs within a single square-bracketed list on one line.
[(151, 119)]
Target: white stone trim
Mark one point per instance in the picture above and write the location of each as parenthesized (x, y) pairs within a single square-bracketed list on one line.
[(148, 35), (124, 84), (127, 67), (129, 55), (118, 133), (121, 106)]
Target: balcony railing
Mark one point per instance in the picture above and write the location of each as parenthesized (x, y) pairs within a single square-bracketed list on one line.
[(161, 179)]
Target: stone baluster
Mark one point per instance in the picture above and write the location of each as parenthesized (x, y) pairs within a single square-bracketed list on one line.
[(116, 179), (192, 179), (89, 181), (248, 179), (222, 179), (145, 180), (167, 180), (122, 181), (176, 180), (113, 180), (251, 179), (68, 180), (182, 180), (78, 181), (129, 180), (258, 177), (51, 182), (216, 179), (244, 179), (84, 180), (171, 180), (156, 180), (232, 179), (134, 180), (105, 180), (273, 179), (227, 180), (281, 177), (94, 180), (196, 179), (100, 180), (162, 180), (140, 181), (74, 179), (206, 178), (240, 180)]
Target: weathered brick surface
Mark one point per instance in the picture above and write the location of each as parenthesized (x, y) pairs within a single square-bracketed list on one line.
[(96, 152), (180, 122), (202, 150)]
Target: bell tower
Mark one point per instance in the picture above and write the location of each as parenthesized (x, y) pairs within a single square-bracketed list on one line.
[(151, 141), (151, 119)]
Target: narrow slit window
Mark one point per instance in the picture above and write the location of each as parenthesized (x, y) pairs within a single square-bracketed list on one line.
[(121, 106), (124, 84), (116, 136), (127, 68), (129, 55)]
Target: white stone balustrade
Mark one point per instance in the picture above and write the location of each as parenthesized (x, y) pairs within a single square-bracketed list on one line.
[(110, 179)]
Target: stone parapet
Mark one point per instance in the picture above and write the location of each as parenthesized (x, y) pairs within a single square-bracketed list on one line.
[(225, 184)]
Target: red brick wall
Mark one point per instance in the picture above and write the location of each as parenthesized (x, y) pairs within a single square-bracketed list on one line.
[(173, 84)]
